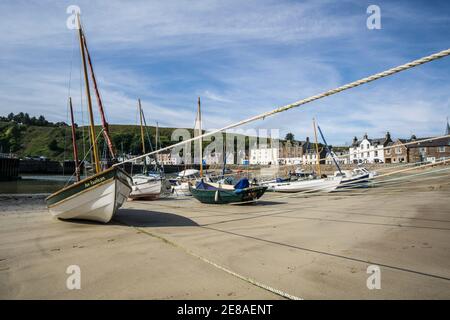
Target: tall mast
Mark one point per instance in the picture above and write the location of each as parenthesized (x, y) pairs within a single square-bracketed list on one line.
[(141, 116), (74, 142), (199, 115), (142, 127), (317, 148), (100, 104), (88, 96), (157, 136)]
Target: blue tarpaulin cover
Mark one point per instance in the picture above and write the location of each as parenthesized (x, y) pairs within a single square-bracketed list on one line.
[(204, 186), (242, 184)]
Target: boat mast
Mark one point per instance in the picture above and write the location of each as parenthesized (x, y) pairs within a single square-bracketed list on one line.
[(100, 104), (199, 115), (329, 150), (317, 148), (88, 96), (74, 142), (141, 115), (142, 127), (157, 135)]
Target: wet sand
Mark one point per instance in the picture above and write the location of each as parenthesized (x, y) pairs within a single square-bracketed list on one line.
[(304, 246)]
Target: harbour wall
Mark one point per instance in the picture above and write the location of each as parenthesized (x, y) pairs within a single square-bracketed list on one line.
[(9, 169)]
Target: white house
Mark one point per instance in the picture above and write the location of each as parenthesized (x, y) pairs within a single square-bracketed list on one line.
[(217, 158), (309, 158), (164, 158), (369, 150), (264, 156)]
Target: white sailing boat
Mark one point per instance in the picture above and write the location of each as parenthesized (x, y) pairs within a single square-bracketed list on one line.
[(97, 197), (145, 186), (189, 177)]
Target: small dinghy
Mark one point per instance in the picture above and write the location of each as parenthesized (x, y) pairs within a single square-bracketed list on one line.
[(242, 192), (145, 187)]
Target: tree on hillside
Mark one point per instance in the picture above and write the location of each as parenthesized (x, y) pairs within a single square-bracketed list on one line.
[(53, 146), (290, 137)]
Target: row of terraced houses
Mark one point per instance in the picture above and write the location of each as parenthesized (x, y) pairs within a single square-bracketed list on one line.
[(364, 150), (388, 150)]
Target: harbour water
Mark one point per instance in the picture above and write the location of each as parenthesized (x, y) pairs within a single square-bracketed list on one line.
[(31, 184)]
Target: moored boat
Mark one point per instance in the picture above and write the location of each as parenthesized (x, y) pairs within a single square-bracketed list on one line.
[(95, 198), (357, 178), (312, 185), (242, 192), (145, 187)]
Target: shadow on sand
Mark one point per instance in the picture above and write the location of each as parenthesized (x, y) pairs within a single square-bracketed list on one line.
[(147, 218), (141, 218)]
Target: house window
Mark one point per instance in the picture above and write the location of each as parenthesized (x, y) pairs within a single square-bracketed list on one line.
[(376, 153), (441, 149), (388, 151), (398, 151), (423, 150)]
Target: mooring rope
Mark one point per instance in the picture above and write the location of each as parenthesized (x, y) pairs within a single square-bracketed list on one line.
[(216, 265), (298, 103)]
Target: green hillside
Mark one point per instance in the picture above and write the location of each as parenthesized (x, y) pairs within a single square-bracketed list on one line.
[(55, 142), (28, 136)]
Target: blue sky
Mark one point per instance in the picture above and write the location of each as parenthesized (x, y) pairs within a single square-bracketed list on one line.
[(241, 57)]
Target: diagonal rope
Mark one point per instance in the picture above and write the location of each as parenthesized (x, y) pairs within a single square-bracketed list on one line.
[(298, 103)]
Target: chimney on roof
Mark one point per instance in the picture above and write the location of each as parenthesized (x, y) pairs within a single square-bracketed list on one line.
[(307, 139), (413, 137), (355, 139), (388, 136), (365, 136)]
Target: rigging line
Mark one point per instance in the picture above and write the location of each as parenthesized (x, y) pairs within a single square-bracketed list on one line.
[(298, 103), (82, 161), (68, 96)]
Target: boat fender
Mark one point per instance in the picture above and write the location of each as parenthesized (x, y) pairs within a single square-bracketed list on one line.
[(216, 196)]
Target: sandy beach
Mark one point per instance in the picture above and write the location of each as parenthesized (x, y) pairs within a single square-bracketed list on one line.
[(309, 247)]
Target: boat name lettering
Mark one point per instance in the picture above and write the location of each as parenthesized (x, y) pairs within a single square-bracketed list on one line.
[(94, 182)]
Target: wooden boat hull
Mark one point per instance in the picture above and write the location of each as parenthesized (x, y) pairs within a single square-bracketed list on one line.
[(221, 196), (145, 189), (316, 185), (96, 198)]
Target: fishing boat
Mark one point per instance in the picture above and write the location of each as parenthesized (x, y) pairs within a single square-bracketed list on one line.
[(145, 186), (97, 197), (242, 192)]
